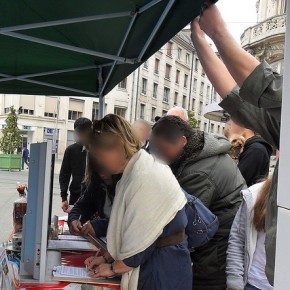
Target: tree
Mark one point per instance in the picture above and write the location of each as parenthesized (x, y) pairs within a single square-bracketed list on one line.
[(192, 120), (11, 138)]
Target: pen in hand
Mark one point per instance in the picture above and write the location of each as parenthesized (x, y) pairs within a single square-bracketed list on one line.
[(79, 222)]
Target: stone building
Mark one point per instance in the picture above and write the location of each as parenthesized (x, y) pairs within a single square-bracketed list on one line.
[(266, 39)]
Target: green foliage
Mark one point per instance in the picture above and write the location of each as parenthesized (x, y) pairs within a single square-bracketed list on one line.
[(11, 138), (192, 120)]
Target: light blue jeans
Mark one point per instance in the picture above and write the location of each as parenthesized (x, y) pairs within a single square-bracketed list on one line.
[(250, 287)]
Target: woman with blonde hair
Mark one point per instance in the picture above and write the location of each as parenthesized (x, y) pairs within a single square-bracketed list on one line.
[(146, 234), (246, 257)]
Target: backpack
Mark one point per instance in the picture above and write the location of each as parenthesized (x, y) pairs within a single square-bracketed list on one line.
[(202, 223)]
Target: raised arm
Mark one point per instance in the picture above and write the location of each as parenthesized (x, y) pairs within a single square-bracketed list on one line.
[(214, 68), (239, 62)]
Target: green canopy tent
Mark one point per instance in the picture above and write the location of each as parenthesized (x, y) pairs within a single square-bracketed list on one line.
[(81, 47)]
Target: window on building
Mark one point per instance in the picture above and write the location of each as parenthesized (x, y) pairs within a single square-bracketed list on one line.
[(164, 112), (142, 111), (211, 128), (198, 124), (26, 105), (193, 105), (201, 88), (50, 115), (214, 95), (207, 92), (95, 111), (202, 72), (205, 127), (200, 107), (194, 85), (25, 111), (144, 86), (177, 77), (184, 102), (167, 71), (196, 64), (76, 108), (120, 111), (166, 95), (187, 59), (175, 98), (153, 114), (145, 65), (219, 129), (74, 115), (123, 84), (50, 109), (179, 53), (169, 48), (6, 110), (157, 63), (155, 91), (185, 80)]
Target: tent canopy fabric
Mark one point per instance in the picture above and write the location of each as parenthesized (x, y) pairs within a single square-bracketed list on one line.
[(82, 47)]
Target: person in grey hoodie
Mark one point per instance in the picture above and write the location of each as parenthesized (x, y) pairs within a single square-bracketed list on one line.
[(246, 257), (203, 168)]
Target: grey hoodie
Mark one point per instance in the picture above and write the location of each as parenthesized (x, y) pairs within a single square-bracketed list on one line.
[(242, 241), (214, 178)]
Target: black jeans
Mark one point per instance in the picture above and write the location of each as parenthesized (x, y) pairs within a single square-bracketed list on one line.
[(24, 160)]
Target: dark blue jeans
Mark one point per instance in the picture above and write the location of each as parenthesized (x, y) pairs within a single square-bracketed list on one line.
[(250, 287)]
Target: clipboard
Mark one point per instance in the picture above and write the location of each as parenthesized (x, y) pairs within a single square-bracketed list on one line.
[(78, 275)]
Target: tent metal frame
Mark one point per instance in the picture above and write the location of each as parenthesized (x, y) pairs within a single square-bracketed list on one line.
[(13, 31)]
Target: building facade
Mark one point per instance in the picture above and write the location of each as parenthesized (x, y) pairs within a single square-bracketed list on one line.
[(173, 76), (266, 39)]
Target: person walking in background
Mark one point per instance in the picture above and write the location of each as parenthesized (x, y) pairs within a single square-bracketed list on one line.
[(254, 159), (25, 157), (252, 94), (203, 168), (73, 165), (246, 257), (142, 129)]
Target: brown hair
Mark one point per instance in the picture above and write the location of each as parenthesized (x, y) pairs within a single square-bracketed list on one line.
[(108, 132), (260, 206)]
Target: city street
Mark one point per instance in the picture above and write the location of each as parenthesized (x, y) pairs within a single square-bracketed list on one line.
[(8, 194)]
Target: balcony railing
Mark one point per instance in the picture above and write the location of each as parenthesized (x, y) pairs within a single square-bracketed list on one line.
[(270, 27)]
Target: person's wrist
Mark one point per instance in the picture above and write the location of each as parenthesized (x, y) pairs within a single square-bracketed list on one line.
[(112, 269), (219, 33), (107, 260)]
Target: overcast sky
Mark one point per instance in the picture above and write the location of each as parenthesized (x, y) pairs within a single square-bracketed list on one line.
[(239, 15)]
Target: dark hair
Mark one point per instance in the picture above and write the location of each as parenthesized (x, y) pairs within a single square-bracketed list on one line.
[(171, 128), (82, 124)]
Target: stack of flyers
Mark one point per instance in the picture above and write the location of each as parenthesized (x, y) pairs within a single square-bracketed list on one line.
[(9, 279)]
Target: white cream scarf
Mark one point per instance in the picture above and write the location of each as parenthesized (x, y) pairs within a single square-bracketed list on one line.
[(147, 198)]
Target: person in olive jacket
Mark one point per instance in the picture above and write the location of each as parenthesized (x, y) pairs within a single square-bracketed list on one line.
[(203, 168), (73, 165), (251, 93)]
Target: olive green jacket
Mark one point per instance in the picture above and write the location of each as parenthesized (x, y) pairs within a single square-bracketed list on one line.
[(257, 106)]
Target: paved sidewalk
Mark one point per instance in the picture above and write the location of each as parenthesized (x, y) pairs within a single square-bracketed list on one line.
[(8, 194)]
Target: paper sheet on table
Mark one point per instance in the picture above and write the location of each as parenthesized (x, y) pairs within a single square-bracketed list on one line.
[(71, 245), (80, 275), (72, 238)]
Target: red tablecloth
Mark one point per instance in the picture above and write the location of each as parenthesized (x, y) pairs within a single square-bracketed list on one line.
[(69, 259)]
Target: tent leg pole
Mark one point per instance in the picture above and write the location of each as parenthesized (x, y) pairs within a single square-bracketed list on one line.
[(101, 107), (282, 278)]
